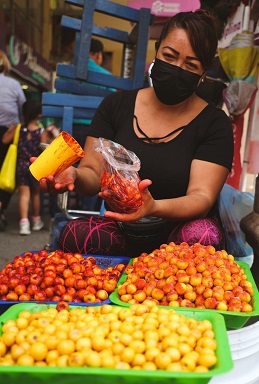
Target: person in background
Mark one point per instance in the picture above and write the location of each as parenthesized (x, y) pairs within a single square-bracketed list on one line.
[(31, 136), (185, 147), (95, 61), (11, 101)]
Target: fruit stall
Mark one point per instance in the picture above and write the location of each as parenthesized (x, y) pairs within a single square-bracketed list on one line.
[(177, 314), (180, 314)]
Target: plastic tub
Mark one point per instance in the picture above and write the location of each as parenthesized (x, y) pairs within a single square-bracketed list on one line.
[(246, 259), (244, 342), (234, 320), (79, 375), (244, 346)]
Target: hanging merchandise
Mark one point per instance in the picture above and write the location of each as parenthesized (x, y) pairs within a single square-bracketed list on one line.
[(251, 155), (240, 62)]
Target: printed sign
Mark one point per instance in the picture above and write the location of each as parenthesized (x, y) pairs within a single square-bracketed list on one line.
[(165, 8), (28, 64)]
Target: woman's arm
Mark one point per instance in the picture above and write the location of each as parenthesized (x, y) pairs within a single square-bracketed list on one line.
[(206, 181), (9, 135), (89, 170), (44, 136)]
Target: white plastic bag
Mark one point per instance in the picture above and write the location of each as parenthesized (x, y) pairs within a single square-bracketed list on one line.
[(233, 206)]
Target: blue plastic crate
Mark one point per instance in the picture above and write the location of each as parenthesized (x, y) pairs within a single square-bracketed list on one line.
[(102, 261)]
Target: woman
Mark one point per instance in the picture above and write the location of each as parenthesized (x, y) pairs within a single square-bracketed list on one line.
[(11, 102), (185, 146), (31, 136)]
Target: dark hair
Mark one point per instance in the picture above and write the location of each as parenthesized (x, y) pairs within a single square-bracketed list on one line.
[(96, 46), (201, 29), (31, 111)]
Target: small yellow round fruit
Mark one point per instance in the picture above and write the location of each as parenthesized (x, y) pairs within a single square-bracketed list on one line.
[(76, 359), (127, 355), (93, 359), (2, 349), (66, 347), (83, 343), (149, 366), (38, 351), (108, 361), (52, 356), (162, 360), (16, 351), (8, 338), (151, 353), (25, 360), (207, 359), (22, 323), (138, 360), (98, 343)]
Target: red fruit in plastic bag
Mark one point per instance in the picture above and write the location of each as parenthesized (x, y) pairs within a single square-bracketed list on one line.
[(124, 190), (120, 176)]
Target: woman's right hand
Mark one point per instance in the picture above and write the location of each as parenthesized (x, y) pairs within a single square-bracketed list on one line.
[(61, 183)]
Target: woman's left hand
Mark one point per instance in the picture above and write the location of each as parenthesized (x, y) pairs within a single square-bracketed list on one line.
[(146, 209)]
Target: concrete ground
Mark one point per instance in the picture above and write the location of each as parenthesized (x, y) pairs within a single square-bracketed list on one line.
[(12, 244)]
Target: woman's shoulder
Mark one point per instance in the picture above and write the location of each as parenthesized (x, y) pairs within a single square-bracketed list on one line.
[(122, 95), (119, 101), (11, 81), (212, 113), (212, 109), (214, 122)]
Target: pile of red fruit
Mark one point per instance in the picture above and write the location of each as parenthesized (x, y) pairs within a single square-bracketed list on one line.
[(188, 276), (57, 276)]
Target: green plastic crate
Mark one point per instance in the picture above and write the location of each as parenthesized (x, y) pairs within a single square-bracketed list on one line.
[(234, 320), (67, 375)]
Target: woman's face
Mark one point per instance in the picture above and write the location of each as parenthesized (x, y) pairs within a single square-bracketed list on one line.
[(176, 49)]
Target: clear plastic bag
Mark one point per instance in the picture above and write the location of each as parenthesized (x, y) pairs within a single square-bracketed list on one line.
[(120, 175), (233, 206)]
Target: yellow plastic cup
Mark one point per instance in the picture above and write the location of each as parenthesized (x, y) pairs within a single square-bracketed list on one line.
[(63, 152)]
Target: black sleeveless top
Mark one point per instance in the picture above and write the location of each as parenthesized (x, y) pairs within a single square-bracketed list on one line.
[(207, 137)]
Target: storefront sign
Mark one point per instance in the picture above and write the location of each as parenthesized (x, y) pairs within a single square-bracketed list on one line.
[(165, 8), (28, 64)]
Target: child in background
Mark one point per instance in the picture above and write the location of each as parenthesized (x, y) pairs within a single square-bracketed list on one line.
[(31, 135)]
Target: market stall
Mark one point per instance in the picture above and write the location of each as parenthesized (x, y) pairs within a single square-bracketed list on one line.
[(179, 314)]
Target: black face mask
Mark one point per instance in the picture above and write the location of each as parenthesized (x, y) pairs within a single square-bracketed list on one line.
[(172, 84)]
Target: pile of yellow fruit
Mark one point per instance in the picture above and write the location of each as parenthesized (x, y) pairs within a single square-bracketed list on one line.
[(140, 337)]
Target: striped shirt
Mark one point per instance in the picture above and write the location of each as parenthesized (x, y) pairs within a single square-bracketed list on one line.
[(12, 99)]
